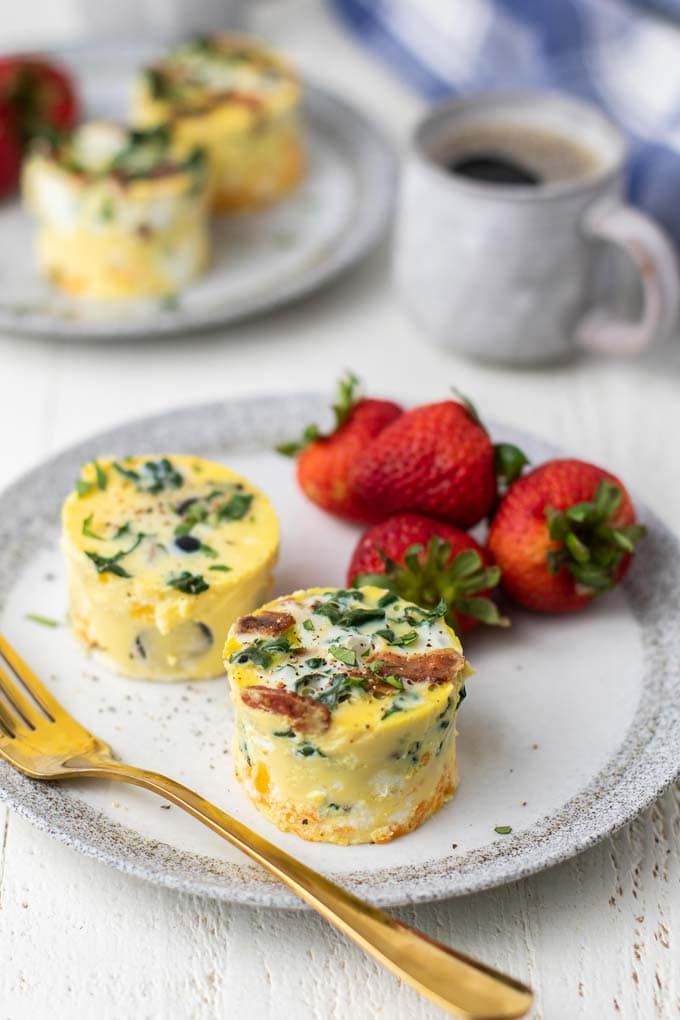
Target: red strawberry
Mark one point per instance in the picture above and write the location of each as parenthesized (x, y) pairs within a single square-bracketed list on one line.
[(438, 460), (10, 149), (426, 562), (324, 461), (563, 534), (41, 93)]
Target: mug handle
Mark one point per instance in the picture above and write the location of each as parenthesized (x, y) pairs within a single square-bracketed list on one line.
[(654, 257)]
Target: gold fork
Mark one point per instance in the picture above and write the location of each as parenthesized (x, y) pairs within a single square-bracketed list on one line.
[(38, 737)]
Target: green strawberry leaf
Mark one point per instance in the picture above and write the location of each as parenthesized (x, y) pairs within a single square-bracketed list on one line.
[(627, 538), (509, 461), (310, 435), (607, 499), (579, 551), (483, 609), (376, 580), (348, 396), (466, 564), (587, 544), (427, 579)]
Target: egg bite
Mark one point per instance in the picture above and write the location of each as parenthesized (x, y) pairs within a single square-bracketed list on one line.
[(119, 213), (162, 555), (240, 102), (345, 704)]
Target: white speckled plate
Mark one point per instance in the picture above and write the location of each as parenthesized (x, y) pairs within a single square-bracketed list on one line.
[(261, 260), (571, 725)]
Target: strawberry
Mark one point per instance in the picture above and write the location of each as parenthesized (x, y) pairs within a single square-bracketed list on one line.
[(35, 96), (324, 461), (42, 95), (425, 561), (438, 460), (563, 534), (10, 149)]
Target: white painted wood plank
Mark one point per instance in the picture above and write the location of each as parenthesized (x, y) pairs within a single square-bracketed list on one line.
[(27, 402), (595, 936)]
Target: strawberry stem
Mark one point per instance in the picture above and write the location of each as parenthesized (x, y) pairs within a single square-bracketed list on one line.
[(429, 579), (469, 406), (348, 396), (588, 544), (509, 460)]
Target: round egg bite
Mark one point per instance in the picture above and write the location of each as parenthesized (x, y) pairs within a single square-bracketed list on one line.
[(120, 215), (240, 102), (345, 704), (162, 554)]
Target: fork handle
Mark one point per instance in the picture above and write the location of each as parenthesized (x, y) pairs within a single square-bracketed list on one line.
[(455, 982)]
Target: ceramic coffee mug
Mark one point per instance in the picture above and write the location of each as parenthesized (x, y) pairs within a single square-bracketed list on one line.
[(513, 272)]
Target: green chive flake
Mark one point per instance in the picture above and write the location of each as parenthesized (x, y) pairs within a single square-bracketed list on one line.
[(87, 529), (261, 652), (100, 475), (83, 487), (46, 621), (237, 507), (305, 750), (396, 706), (188, 584), (108, 564)]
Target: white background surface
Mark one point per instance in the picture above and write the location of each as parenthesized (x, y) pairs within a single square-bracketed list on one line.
[(598, 937)]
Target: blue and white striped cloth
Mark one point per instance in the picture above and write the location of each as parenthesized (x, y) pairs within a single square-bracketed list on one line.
[(622, 56)]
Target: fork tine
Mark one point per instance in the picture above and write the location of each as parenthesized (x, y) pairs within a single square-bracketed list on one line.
[(36, 689), (8, 723), (25, 709)]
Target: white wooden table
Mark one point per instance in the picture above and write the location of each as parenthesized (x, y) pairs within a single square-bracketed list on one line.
[(598, 937)]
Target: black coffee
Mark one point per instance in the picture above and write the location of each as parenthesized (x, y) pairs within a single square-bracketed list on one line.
[(493, 169), (517, 155)]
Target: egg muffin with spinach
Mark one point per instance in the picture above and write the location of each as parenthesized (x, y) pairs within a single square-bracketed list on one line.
[(345, 705), (240, 102), (120, 214), (162, 554)]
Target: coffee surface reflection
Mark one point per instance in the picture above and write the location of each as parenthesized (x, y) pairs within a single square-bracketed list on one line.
[(493, 170), (517, 155)]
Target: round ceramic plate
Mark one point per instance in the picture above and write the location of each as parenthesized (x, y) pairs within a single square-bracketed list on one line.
[(260, 261), (571, 725)]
